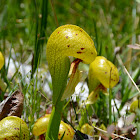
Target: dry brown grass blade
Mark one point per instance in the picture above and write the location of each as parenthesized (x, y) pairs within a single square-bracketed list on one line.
[(135, 47), (115, 135), (120, 61), (12, 106)]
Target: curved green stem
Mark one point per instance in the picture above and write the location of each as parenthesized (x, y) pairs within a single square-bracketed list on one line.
[(55, 119)]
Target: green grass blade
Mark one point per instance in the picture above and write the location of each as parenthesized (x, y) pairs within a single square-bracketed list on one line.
[(40, 31)]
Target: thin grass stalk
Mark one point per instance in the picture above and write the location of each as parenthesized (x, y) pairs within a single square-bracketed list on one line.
[(134, 20), (34, 65), (110, 107), (129, 57), (8, 60), (40, 34), (97, 40), (117, 109), (5, 71), (138, 131), (55, 17), (110, 98), (76, 118)]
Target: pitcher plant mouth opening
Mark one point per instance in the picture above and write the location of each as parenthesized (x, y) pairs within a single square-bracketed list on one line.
[(74, 65), (74, 79), (94, 95)]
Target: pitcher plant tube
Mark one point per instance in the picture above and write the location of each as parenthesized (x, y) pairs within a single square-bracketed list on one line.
[(65, 41)]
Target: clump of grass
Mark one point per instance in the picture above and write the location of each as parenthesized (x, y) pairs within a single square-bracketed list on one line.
[(40, 37)]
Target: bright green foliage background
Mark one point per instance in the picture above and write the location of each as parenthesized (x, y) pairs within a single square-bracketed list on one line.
[(25, 26)]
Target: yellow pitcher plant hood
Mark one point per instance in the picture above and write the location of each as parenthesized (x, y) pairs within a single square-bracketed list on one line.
[(65, 41), (103, 74), (41, 124), (13, 128)]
